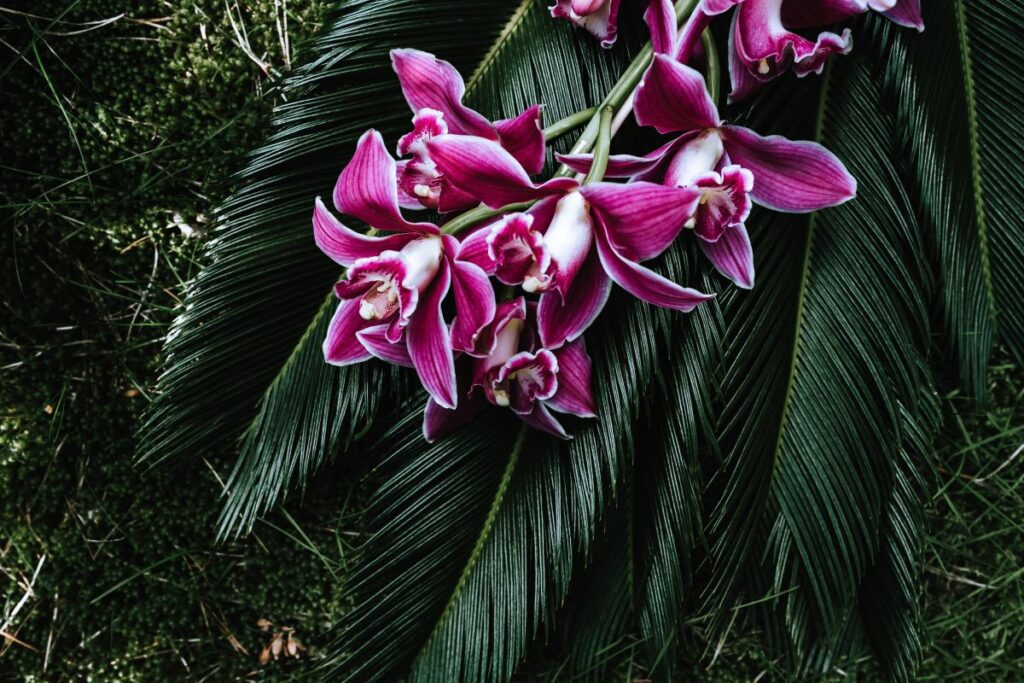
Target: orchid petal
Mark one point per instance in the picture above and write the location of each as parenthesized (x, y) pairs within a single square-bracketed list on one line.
[(542, 420), (344, 245), (907, 13), (439, 421), (428, 82), (523, 137), (374, 339), (564, 319), (430, 343), (644, 283), (641, 219), (792, 176), (474, 302), (660, 18), (473, 249), (732, 256), (574, 393), (625, 165), (822, 12), (488, 172), (674, 97), (341, 346), (600, 17), (368, 188)]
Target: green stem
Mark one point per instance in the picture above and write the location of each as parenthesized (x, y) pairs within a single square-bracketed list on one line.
[(602, 148), (477, 214), (560, 128), (712, 74)]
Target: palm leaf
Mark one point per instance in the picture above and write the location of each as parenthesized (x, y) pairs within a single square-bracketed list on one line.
[(822, 358), (243, 356), (779, 439)]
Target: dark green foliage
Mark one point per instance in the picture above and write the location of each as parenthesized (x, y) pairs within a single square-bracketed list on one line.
[(750, 502)]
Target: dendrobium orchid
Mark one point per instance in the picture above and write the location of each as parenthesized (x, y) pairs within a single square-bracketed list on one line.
[(725, 165), (803, 14), (573, 243), (392, 293), (600, 17), (434, 90), (518, 374), (761, 47)]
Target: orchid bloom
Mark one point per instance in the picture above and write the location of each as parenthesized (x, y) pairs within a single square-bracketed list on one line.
[(761, 47), (724, 164), (803, 14), (392, 293), (573, 243), (600, 17), (516, 373), (434, 90)]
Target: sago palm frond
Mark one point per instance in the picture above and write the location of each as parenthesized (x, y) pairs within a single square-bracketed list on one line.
[(767, 453)]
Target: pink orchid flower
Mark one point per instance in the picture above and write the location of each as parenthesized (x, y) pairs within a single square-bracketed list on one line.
[(573, 243), (600, 17), (519, 374), (392, 293), (803, 14), (727, 165), (434, 90), (761, 47)]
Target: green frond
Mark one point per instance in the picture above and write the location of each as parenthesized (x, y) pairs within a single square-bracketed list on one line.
[(816, 425), (242, 355)]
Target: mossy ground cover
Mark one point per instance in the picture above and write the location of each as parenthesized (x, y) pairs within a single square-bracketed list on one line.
[(120, 124)]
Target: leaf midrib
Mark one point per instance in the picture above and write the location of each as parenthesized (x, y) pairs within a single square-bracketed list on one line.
[(970, 96), (481, 541)]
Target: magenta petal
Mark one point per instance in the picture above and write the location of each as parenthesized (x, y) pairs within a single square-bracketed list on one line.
[(561, 320), (644, 283), (439, 421), (474, 305), (792, 176), (488, 172), (641, 219), (430, 343), (661, 22), (574, 393), (907, 13), (600, 17), (368, 188), (341, 346), (473, 249), (429, 82), (623, 165), (523, 137), (673, 97), (374, 339), (542, 420), (345, 245), (732, 255)]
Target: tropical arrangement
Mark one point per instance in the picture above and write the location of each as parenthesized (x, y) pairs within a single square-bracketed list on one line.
[(530, 323)]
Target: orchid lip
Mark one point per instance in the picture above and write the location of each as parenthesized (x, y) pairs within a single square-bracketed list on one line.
[(699, 156)]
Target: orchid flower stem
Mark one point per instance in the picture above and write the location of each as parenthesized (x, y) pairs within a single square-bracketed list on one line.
[(563, 126), (601, 148), (713, 72), (477, 214)]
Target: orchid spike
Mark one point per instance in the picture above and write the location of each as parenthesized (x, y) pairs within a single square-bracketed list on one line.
[(434, 89), (803, 14), (724, 164), (761, 47), (395, 284), (519, 374), (600, 17), (573, 243)]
